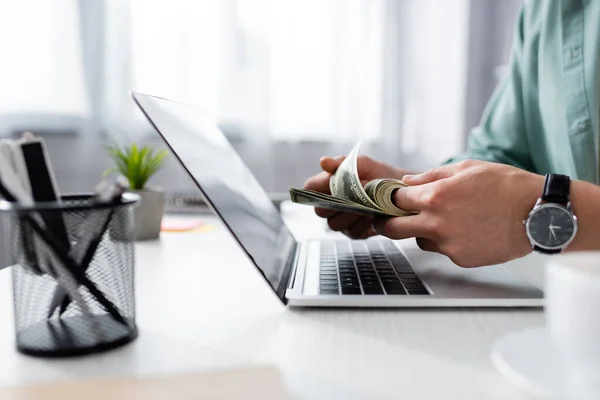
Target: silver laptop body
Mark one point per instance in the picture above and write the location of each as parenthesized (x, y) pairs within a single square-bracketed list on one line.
[(320, 273)]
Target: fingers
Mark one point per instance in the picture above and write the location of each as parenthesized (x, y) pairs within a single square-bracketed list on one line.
[(427, 245), (351, 225), (367, 169), (361, 229), (325, 213), (366, 166), (429, 196), (331, 164), (342, 221), (394, 230), (402, 227), (370, 232), (408, 198), (319, 182), (434, 174)]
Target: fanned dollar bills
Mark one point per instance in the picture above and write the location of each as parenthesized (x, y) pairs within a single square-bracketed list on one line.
[(349, 195)]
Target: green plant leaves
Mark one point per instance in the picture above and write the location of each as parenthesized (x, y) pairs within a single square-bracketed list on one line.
[(137, 164)]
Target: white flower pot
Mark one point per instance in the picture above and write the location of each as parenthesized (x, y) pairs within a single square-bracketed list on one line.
[(148, 214)]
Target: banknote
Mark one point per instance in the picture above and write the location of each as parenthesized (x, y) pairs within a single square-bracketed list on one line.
[(349, 195), (316, 199)]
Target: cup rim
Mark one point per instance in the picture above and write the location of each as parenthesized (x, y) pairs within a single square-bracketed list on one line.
[(565, 265)]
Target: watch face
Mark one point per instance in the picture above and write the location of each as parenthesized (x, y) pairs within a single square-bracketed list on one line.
[(551, 226)]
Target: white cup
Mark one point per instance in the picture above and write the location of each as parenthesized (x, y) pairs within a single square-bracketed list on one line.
[(572, 308)]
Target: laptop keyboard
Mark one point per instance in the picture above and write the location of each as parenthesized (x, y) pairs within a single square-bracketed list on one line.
[(366, 268)]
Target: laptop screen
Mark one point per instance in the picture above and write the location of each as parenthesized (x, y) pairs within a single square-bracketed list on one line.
[(227, 185)]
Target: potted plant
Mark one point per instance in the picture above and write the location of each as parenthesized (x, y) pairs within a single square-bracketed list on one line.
[(138, 165)]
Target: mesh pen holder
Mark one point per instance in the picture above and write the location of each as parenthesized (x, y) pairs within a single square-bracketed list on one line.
[(73, 278)]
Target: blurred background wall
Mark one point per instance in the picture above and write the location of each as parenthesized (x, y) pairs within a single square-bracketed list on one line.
[(287, 80)]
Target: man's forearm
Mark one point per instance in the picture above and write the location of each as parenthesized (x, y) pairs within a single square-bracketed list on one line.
[(585, 199)]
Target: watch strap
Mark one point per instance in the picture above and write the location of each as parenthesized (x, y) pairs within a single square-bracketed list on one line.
[(556, 189), (546, 251)]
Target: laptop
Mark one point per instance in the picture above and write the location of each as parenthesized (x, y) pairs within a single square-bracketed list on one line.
[(374, 272)]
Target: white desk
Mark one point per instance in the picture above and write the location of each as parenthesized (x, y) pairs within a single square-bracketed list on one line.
[(201, 305)]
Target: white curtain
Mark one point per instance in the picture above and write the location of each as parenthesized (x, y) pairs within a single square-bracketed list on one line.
[(293, 70), (41, 64), (435, 44), (287, 69), (321, 67)]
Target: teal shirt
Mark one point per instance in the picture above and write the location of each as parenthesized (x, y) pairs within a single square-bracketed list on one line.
[(544, 115)]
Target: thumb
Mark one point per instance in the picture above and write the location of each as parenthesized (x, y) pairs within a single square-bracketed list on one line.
[(434, 174), (331, 164)]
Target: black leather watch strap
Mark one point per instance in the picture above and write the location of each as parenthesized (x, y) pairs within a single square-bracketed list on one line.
[(556, 189), (546, 251)]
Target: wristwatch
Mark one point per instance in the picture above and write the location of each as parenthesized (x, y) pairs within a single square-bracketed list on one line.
[(551, 225)]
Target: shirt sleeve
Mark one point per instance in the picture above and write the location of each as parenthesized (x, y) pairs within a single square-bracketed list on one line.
[(501, 135)]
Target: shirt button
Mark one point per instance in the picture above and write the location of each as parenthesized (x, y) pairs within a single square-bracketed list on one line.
[(575, 52), (582, 125)]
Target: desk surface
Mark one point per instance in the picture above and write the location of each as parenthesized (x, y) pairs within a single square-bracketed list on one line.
[(201, 305)]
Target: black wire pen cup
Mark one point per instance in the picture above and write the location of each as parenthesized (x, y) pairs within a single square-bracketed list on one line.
[(73, 277)]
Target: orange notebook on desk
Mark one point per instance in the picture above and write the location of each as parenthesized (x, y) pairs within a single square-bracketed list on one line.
[(262, 383), (174, 224)]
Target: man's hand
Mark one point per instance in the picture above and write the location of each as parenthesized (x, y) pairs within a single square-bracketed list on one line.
[(352, 225), (471, 211)]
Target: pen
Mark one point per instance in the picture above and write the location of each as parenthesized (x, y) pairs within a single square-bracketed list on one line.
[(91, 236), (61, 253)]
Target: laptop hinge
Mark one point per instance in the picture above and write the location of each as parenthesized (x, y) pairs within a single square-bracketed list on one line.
[(295, 255), (288, 269)]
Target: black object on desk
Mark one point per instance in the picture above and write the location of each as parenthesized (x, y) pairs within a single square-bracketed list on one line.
[(42, 185), (101, 313)]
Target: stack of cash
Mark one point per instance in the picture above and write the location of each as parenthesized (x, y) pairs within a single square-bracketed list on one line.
[(349, 195)]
